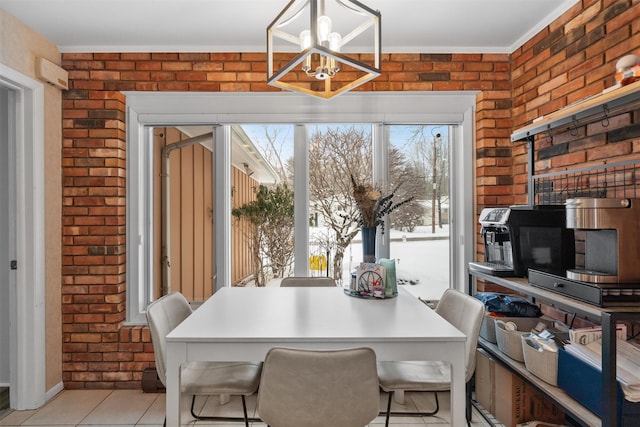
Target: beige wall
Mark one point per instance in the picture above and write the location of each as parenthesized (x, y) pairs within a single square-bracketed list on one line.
[(191, 216), (19, 48), (190, 173), (242, 260)]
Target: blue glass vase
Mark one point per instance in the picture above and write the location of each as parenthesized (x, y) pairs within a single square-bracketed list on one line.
[(368, 244)]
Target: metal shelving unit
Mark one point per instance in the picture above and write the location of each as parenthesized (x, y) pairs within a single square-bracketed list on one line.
[(608, 180), (608, 317)]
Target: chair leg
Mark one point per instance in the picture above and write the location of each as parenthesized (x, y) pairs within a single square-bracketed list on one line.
[(213, 418), (409, 414), (386, 422), (193, 402), (244, 410), (468, 389)]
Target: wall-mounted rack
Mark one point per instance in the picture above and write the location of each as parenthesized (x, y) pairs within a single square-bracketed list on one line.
[(610, 102), (614, 180), (599, 105)]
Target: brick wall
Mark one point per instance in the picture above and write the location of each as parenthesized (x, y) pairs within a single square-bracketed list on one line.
[(99, 352), (570, 59)]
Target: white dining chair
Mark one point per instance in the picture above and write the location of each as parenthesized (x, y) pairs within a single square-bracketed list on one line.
[(198, 378), (466, 314), (319, 388), (292, 281)]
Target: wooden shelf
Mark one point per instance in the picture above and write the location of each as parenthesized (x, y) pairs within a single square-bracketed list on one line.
[(569, 405), (595, 105)]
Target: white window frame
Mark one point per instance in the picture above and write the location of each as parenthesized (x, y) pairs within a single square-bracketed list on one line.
[(148, 109)]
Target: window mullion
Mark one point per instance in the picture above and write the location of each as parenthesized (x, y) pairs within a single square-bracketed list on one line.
[(380, 167), (301, 200), (222, 218)]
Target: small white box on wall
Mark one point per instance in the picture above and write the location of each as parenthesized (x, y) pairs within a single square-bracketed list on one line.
[(52, 74)]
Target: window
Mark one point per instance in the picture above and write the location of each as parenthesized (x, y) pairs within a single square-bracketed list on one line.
[(337, 152), (302, 114), (419, 238), (262, 204)]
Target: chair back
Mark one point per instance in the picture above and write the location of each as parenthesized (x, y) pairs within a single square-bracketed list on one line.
[(163, 315), (316, 388), (307, 281), (465, 313)]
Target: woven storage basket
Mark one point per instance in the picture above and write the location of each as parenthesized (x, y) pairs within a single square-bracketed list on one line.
[(510, 342), (488, 328), (542, 364)]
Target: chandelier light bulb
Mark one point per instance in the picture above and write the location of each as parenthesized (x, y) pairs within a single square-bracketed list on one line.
[(305, 39), (324, 28), (335, 42)]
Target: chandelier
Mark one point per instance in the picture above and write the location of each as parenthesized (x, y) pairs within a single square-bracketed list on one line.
[(323, 47)]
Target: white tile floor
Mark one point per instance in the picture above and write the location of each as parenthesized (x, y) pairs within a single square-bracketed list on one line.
[(128, 408)]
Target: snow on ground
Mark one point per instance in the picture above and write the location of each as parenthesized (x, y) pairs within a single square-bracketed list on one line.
[(422, 260)]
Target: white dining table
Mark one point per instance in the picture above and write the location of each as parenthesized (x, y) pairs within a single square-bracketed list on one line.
[(242, 324)]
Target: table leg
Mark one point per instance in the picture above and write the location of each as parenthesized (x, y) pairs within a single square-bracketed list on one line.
[(457, 385), (176, 357)]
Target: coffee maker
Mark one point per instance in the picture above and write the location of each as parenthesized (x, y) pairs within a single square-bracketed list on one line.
[(612, 239), (521, 237)]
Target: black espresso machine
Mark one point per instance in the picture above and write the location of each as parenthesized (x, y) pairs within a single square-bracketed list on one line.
[(521, 237)]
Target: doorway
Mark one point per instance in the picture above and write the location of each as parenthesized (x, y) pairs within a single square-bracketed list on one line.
[(22, 324), (5, 248)]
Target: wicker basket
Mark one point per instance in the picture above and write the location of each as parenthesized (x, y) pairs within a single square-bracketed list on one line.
[(488, 328), (542, 364), (510, 341)]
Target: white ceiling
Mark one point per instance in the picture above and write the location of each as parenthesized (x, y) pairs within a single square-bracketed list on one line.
[(408, 26)]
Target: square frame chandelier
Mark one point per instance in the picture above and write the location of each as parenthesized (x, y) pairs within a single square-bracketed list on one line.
[(323, 48)]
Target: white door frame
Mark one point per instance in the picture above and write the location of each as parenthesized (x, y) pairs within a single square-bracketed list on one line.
[(27, 299), (6, 235)]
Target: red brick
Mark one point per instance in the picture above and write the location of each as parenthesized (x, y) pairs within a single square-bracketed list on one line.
[(509, 87)]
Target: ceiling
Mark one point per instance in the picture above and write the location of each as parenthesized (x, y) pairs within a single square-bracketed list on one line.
[(408, 26)]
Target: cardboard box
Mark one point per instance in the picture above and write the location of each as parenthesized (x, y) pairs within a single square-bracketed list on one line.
[(516, 402), (484, 378), (509, 397), (538, 407)]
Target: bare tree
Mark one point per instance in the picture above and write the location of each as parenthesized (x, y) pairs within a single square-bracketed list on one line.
[(407, 179), (334, 156), (273, 151), (432, 163)]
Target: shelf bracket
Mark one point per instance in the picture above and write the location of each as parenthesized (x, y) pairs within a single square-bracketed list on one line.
[(574, 126), (531, 166), (605, 120)]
